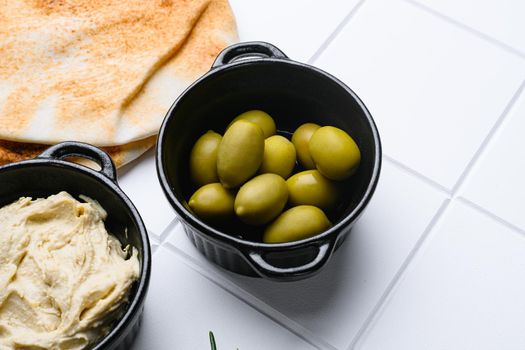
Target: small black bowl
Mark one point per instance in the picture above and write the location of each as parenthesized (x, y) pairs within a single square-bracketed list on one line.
[(257, 75), (48, 174)]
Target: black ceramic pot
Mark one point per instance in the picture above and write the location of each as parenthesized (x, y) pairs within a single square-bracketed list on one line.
[(257, 75), (48, 174)]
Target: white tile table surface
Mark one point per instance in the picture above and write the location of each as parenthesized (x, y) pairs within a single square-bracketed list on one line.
[(139, 182), (437, 260), (423, 80), (459, 292), (191, 305)]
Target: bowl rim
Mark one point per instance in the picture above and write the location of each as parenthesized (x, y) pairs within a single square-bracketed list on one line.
[(218, 235), (136, 302)]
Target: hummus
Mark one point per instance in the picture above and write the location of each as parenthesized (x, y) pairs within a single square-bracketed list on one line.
[(63, 278)]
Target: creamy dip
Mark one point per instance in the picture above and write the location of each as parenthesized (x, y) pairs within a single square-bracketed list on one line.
[(63, 278)]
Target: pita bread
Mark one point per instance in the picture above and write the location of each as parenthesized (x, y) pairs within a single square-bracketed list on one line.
[(101, 71), (14, 151), (212, 31)]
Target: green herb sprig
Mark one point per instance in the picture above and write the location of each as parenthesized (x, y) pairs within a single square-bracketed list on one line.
[(212, 341)]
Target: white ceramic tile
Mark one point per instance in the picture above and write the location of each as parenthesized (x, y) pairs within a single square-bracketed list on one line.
[(297, 27), (334, 304), (464, 290), (434, 89), (139, 181), (154, 244), (501, 20), (154, 241), (178, 239), (182, 307), (497, 182)]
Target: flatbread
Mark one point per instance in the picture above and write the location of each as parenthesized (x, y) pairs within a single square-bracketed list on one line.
[(14, 151), (102, 71), (212, 30)]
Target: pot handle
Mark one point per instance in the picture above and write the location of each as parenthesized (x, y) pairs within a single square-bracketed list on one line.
[(265, 269), (78, 149), (247, 49)]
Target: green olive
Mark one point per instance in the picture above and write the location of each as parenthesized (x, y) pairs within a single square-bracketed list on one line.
[(203, 159), (335, 153), (240, 153), (212, 202), (279, 156), (261, 199), (295, 224), (311, 188), (260, 118), (300, 139)]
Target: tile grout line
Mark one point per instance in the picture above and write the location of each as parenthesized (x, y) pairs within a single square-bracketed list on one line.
[(152, 235), (335, 33), (154, 249), (256, 304), (153, 238), (154, 242), (437, 186), (487, 141), (486, 212), (372, 316), (467, 28), (166, 232)]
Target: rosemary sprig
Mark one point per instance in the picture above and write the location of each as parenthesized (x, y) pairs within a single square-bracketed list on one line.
[(212, 341)]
